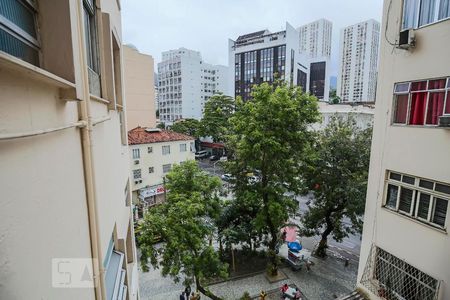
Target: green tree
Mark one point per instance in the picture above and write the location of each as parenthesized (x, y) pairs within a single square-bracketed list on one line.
[(215, 123), (334, 98), (161, 125), (338, 174), (187, 126), (185, 223), (270, 134)]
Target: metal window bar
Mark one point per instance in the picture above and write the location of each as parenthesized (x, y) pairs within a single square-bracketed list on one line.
[(392, 278)]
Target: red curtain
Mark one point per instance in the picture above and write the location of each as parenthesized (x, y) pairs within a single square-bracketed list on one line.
[(447, 105), (418, 103), (435, 107)]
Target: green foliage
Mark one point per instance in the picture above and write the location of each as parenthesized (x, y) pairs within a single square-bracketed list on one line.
[(246, 296), (334, 98), (161, 125), (270, 136), (187, 126), (215, 123), (185, 223), (337, 171)]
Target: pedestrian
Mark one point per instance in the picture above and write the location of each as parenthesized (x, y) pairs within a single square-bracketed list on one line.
[(182, 296), (187, 291), (283, 235), (297, 294), (193, 296), (262, 295)]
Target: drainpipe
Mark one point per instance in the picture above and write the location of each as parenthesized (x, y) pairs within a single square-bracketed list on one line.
[(84, 109)]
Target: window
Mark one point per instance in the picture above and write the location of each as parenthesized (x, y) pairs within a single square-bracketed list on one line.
[(417, 13), (136, 154), (421, 102), (421, 199), (389, 276), (18, 34), (91, 40), (166, 150), (137, 174), (151, 170), (166, 168), (149, 149), (183, 148)]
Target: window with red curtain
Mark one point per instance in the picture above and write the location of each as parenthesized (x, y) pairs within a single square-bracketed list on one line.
[(419, 86), (401, 109), (418, 104), (435, 107)]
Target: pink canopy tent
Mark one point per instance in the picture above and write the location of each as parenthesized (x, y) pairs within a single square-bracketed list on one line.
[(291, 233)]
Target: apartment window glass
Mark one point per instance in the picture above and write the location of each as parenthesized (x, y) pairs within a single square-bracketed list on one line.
[(166, 150), (91, 40), (151, 170), (421, 199), (183, 148), (410, 8), (137, 174), (426, 15), (136, 154), (444, 9), (418, 13), (18, 34), (421, 102), (166, 168), (149, 149)]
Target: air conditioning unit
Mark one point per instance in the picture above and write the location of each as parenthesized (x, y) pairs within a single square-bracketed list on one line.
[(444, 121), (407, 39), (136, 162)]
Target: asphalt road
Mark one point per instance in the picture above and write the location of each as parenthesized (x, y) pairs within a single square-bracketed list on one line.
[(349, 248)]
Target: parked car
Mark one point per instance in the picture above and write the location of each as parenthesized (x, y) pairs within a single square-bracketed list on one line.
[(227, 177), (214, 157), (201, 154)]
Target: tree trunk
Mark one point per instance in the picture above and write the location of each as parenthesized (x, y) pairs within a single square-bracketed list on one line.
[(321, 250), (205, 291), (273, 267)]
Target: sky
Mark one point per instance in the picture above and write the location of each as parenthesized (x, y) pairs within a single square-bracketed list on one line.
[(154, 26)]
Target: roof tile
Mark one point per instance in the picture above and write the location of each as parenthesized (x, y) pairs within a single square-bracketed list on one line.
[(139, 135)]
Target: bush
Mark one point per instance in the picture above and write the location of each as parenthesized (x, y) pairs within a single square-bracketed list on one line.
[(245, 296)]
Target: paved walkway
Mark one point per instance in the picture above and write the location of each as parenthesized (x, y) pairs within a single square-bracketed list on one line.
[(326, 279)]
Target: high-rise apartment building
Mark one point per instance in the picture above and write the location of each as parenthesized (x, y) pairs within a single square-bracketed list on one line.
[(315, 44), (358, 58), (405, 241), (315, 38), (66, 226), (139, 82), (186, 82), (263, 56)]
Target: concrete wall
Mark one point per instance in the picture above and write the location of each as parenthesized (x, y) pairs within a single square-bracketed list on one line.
[(417, 150), (44, 212), (139, 88)]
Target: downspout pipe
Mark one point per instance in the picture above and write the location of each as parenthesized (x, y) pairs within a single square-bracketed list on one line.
[(84, 109)]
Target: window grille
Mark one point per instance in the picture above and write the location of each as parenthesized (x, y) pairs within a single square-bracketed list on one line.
[(392, 278)]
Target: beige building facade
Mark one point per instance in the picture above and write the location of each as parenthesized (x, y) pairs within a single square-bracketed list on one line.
[(153, 152), (139, 88), (405, 242), (66, 225)]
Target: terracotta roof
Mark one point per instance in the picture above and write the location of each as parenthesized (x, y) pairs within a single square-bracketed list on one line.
[(139, 135)]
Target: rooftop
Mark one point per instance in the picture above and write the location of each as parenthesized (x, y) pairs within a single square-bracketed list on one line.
[(140, 135)]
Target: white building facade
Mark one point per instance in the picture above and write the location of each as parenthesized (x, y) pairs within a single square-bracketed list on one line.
[(263, 56), (186, 82), (362, 114), (358, 59), (405, 240), (153, 152), (315, 44)]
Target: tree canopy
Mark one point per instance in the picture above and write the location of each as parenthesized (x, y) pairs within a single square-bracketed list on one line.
[(337, 171), (185, 223), (187, 126), (217, 112), (269, 137)]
